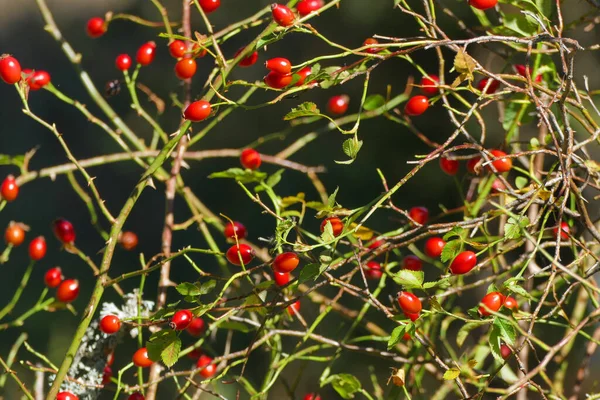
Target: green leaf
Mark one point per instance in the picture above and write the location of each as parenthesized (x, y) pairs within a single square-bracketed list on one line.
[(515, 288), (510, 114), (409, 279), (451, 250), (188, 289), (240, 175), (283, 229), (397, 335), (521, 182), (5, 159), (275, 178), (505, 330), (494, 343), (464, 331), (351, 147), (208, 287), (236, 326), (373, 101), (345, 384), (309, 272), (513, 228), (327, 235), (520, 23), (451, 374), (164, 345), (457, 231), (443, 283), (306, 109), (267, 39), (331, 199)]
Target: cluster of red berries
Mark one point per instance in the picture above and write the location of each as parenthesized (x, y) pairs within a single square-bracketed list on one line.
[(500, 163), (11, 73), (493, 85), (493, 301), (418, 104), (280, 73)]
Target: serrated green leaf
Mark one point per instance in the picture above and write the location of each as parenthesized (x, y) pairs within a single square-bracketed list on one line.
[(170, 353), (505, 330), (519, 290), (397, 335), (240, 175), (306, 109), (451, 250), (451, 374), (327, 234), (443, 283), (520, 23), (409, 279), (188, 289), (309, 272), (457, 231), (164, 345), (373, 101), (345, 385), (513, 227)]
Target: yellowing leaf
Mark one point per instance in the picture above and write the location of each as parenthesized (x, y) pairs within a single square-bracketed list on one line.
[(451, 374), (464, 64), (363, 233)]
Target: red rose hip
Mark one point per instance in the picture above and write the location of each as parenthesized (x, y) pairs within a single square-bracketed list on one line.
[(197, 111), (53, 277), (145, 54), (450, 167), (419, 214), (128, 240), (14, 234), (249, 60), (209, 6), (185, 68), (336, 224), (416, 105), (412, 262), (501, 164), (482, 4), (338, 105), (564, 231), (37, 248), (181, 320), (177, 48), (196, 326), (278, 81), (373, 270), (409, 303), (235, 228), (463, 263), (136, 396), (282, 15), (286, 262), (303, 74), (491, 88), (123, 62), (9, 189), (505, 351), (281, 278), (511, 303), (434, 247), (208, 368), (305, 7), (96, 27), (64, 231), (429, 85), (140, 358), (10, 70), (250, 159), (110, 324), (238, 254), (67, 291), (66, 396), (38, 80), (280, 65), (491, 302)]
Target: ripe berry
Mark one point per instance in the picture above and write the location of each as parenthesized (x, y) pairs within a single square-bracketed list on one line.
[(123, 62), (196, 326), (494, 85), (434, 247), (286, 262), (53, 277), (136, 396), (482, 4), (338, 105), (9, 189), (66, 396), (376, 244), (14, 234), (194, 354), (429, 85), (303, 73), (312, 396), (37, 248), (67, 291), (472, 165), (409, 303), (208, 368), (95, 27), (412, 316), (106, 375), (249, 60), (305, 7), (373, 270), (145, 54), (209, 6), (110, 324), (412, 262), (281, 278), (181, 320), (278, 81), (419, 214), (498, 186), (511, 303), (241, 251), (416, 105), (38, 80), (10, 70), (491, 302), (185, 68), (233, 228), (336, 224), (450, 167), (502, 164), (250, 159), (505, 351), (282, 15), (294, 308), (128, 240), (64, 231), (198, 51), (564, 231), (406, 336), (522, 70), (280, 65), (197, 111), (141, 359), (463, 263), (177, 48), (373, 49)]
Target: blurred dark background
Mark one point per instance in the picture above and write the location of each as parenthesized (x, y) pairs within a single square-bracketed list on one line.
[(386, 146)]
